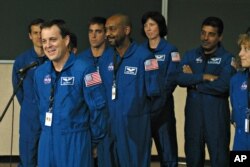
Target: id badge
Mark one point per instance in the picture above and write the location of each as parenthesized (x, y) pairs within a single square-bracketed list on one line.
[(246, 125), (48, 119), (113, 95)]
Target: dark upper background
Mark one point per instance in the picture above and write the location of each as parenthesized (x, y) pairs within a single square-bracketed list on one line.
[(186, 16), (16, 15), (184, 19)]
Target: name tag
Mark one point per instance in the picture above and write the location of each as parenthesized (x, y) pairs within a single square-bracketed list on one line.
[(113, 93), (48, 119), (246, 125)]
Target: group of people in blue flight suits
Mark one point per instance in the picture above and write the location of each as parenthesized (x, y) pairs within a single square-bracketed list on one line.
[(112, 99)]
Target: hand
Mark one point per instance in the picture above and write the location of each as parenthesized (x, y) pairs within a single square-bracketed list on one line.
[(94, 152), (187, 69), (209, 77)]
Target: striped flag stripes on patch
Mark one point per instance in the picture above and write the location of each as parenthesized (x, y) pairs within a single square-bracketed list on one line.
[(151, 64), (92, 79)]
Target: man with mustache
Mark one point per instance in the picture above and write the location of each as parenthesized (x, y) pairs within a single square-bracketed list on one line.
[(206, 72)]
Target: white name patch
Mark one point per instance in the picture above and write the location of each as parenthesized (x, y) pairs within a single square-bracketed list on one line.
[(130, 70), (160, 57), (214, 60), (67, 80)]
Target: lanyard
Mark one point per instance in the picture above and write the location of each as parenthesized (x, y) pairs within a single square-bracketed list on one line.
[(96, 59), (248, 94), (48, 116), (248, 103), (51, 97), (52, 92), (116, 64), (116, 67)]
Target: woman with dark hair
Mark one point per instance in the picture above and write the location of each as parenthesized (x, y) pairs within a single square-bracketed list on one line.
[(163, 124)]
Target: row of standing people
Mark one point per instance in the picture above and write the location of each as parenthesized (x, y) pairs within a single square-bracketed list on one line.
[(139, 82)]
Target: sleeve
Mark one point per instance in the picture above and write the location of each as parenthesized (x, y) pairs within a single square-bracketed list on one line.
[(187, 80), (152, 82), (231, 92), (94, 94), (172, 71), (16, 80), (219, 86)]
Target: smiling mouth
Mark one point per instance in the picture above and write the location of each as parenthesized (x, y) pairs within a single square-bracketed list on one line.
[(51, 50), (111, 39)]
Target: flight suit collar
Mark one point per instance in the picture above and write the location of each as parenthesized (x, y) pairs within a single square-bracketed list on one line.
[(130, 51), (67, 65), (219, 51)]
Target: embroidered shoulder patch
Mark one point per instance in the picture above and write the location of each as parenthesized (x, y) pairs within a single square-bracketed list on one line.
[(151, 64), (175, 56), (233, 63), (92, 79)]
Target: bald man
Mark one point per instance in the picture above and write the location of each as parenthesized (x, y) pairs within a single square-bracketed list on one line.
[(130, 76)]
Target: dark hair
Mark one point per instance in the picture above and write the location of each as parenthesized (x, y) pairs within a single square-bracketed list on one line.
[(97, 20), (214, 22), (61, 24), (35, 22), (158, 18), (73, 41)]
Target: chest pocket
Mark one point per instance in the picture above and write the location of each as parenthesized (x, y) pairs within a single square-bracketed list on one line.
[(214, 65), (128, 76)]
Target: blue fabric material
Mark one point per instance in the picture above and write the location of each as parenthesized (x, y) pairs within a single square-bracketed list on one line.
[(79, 114), (29, 128), (128, 141), (163, 123), (207, 114), (239, 100)]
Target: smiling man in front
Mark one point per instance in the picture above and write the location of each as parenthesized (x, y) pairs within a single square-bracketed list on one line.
[(71, 102)]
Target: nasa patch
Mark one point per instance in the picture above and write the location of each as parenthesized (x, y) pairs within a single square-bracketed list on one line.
[(243, 86), (47, 79), (198, 60), (111, 67)]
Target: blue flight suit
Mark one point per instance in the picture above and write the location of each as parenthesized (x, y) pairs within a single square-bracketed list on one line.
[(79, 113), (127, 143), (207, 113), (96, 61), (163, 125), (87, 55), (29, 128), (239, 97)]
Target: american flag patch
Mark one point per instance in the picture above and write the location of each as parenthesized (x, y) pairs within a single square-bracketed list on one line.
[(233, 63), (175, 56), (92, 79), (151, 64)]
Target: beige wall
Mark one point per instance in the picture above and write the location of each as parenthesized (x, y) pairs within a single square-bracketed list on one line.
[(5, 125), (180, 97)]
